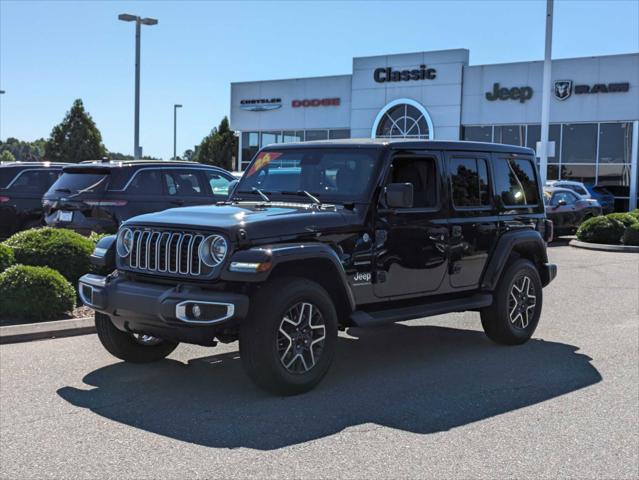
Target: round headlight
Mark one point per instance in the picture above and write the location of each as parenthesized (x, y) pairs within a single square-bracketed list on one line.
[(213, 250), (124, 242)]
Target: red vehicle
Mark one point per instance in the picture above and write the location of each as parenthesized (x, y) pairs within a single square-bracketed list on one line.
[(567, 210)]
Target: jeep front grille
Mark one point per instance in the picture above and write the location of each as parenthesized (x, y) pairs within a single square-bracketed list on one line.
[(168, 252)]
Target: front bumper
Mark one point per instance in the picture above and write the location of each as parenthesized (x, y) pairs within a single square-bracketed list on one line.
[(163, 311)]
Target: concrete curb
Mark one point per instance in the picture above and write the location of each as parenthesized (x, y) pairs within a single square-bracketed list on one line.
[(38, 331), (603, 247)]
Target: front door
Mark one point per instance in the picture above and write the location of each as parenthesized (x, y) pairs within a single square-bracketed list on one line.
[(563, 210), (411, 243)]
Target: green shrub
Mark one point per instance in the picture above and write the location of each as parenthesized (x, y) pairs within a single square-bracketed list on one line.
[(624, 218), (601, 230), (631, 235), (635, 213), (7, 258), (34, 293), (63, 250), (95, 237)]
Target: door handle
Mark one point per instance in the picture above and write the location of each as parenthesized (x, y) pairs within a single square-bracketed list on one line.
[(177, 202)]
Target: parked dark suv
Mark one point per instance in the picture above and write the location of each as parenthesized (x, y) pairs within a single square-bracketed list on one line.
[(99, 196), (321, 236), (22, 185)]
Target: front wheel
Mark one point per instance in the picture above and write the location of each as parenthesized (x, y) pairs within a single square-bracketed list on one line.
[(517, 300), (288, 341), (135, 348)]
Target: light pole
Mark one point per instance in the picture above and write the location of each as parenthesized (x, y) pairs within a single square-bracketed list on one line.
[(175, 107), (139, 21), (545, 97)]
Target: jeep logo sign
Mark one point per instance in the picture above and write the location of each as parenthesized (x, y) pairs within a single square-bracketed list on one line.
[(516, 93)]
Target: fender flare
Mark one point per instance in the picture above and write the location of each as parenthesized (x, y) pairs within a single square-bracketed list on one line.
[(103, 256), (284, 253), (506, 244)]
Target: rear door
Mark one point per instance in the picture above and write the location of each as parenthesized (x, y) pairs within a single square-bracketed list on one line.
[(185, 187), (473, 217), (144, 194)]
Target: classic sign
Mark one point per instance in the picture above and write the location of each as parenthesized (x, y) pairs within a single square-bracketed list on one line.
[(382, 75)]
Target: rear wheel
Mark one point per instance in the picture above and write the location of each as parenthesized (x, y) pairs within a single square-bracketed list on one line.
[(135, 348), (288, 341), (517, 301)]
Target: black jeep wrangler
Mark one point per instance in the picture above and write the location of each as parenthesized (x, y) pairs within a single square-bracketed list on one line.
[(321, 236)]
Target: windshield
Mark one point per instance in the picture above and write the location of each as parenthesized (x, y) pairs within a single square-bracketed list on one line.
[(329, 174), (80, 182)]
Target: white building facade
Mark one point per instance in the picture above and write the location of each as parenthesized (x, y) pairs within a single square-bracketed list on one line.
[(594, 111)]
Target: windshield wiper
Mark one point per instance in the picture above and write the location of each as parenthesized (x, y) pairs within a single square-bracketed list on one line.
[(258, 191), (316, 200)]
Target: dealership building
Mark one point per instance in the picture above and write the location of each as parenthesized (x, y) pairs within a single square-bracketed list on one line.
[(594, 111)]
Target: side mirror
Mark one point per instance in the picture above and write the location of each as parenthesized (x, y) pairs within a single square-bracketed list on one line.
[(561, 203), (399, 195)]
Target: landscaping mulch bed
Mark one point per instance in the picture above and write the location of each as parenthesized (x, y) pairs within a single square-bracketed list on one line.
[(78, 312)]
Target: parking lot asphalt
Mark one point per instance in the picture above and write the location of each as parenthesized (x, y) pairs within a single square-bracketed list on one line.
[(425, 398)]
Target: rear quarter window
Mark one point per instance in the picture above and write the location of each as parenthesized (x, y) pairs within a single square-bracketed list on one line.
[(515, 181)]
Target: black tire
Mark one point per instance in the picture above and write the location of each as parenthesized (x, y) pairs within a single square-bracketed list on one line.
[(262, 341), (511, 320), (124, 345)]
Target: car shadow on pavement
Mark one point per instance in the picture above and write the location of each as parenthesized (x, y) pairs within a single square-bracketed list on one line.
[(420, 379)]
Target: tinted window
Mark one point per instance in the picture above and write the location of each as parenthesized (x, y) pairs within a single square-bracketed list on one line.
[(515, 181), (6, 175), (422, 174), (316, 135), (579, 143), (75, 182), (567, 197), (576, 188), (478, 134), (615, 142), (146, 182), (330, 173), (469, 182), (219, 185), (35, 180), (182, 183), (510, 134)]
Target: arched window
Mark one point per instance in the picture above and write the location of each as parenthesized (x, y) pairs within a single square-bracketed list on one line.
[(403, 118)]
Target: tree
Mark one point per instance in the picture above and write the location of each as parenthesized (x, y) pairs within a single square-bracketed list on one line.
[(24, 151), (218, 148), (75, 139), (188, 155), (7, 156)]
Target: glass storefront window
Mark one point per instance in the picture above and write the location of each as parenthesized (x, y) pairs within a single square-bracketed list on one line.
[(510, 134), (579, 173), (615, 142), (339, 134), (293, 136), (553, 172), (579, 143), (250, 146), (554, 135), (316, 135), (478, 134), (269, 138), (614, 175)]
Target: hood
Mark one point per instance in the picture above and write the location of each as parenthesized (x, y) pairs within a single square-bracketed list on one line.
[(258, 220)]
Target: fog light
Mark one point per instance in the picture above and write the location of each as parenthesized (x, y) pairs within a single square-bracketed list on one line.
[(196, 311)]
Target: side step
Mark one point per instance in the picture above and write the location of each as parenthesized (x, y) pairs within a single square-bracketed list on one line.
[(362, 318)]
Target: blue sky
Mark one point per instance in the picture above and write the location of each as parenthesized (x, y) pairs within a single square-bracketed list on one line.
[(53, 52)]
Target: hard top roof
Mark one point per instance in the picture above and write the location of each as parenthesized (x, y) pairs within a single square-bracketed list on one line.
[(406, 144)]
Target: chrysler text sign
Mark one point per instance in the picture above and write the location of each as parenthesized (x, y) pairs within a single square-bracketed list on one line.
[(382, 75), (260, 104)]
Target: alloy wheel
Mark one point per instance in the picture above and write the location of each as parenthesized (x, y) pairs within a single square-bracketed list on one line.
[(522, 301), (301, 337)]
